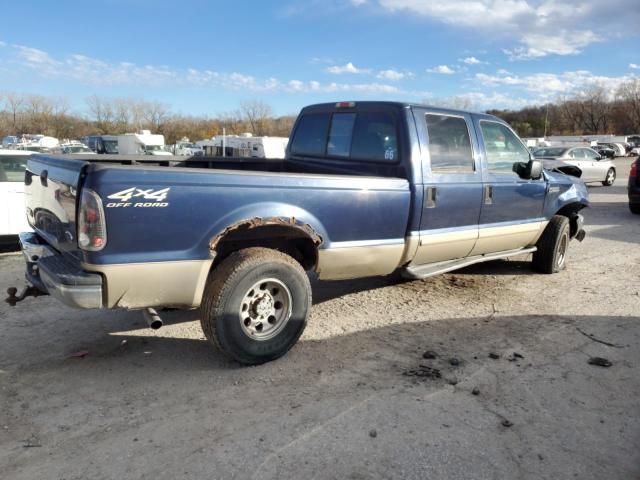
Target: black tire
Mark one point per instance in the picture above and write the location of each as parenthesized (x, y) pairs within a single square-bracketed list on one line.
[(225, 297), (635, 208), (610, 178), (552, 246)]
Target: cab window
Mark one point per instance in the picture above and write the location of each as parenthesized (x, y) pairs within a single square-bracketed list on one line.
[(503, 147), (449, 144), (359, 136), (311, 135), (12, 168), (375, 137)]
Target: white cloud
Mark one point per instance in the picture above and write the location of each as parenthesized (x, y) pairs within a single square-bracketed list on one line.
[(91, 71), (547, 85), (540, 27), (348, 68), (634, 66), (478, 101), (441, 69), (393, 75), (472, 61)]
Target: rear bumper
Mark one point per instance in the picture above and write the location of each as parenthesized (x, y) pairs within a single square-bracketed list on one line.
[(52, 273)]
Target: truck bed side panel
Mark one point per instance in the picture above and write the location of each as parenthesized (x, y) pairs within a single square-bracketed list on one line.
[(201, 204)]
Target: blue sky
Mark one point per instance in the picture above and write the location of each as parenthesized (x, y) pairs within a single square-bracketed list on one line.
[(205, 57)]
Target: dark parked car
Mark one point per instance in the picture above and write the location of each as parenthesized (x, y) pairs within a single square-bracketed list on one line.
[(634, 187), (605, 151)]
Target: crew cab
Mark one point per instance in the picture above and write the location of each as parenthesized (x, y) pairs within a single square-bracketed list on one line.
[(365, 189)]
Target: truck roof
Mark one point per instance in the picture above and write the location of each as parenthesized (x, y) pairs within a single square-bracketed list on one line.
[(392, 104)]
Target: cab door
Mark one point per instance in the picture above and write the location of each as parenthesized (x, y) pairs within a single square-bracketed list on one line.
[(452, 186), (512, 207)]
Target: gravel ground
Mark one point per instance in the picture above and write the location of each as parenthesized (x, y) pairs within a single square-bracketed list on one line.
[(355, 399)]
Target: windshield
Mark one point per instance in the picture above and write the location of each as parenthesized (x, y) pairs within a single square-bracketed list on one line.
[(549, 152), (77, 149), (153, 148), (110, 146)]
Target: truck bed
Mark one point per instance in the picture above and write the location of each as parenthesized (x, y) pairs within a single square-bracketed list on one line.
[(321, 166)]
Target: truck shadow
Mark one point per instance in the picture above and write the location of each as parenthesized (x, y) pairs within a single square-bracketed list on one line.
[(115, 350)]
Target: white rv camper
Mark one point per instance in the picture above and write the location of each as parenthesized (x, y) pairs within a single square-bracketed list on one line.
[(143, 143), (245, 145)]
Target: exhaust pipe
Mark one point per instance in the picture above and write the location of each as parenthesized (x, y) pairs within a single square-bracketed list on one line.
[(153, 319)]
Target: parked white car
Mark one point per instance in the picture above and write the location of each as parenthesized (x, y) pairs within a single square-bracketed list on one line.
[(13, 218), (594, 167)]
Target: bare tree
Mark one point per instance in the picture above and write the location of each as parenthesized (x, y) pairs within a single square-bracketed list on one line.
[(14, 101), (256, 114), (629, 94), (101, 111), (155, 114)]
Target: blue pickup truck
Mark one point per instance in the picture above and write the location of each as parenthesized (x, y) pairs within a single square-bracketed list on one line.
[(366, 188)]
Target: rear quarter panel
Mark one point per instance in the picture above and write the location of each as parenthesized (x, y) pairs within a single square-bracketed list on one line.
[(201, 203)]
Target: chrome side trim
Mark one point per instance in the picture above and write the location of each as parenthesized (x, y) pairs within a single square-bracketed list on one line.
[(424, 271), (359, 261), (367, 243), (154, 284)]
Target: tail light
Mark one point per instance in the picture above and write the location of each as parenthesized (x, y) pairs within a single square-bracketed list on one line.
[(92, 234)]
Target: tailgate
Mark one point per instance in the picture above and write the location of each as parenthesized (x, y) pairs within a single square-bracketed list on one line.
[(51, 184)]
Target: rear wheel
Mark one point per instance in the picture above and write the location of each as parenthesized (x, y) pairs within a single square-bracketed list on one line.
[(551, 256), (255, 305), (635, 208), (610, 178)]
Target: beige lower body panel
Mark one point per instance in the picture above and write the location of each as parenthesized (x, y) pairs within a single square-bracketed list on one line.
[(359, 261), (438, 247), (140, 285), (508, 237)]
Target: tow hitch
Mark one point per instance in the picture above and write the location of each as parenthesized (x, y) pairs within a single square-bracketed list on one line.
[(28, 291)]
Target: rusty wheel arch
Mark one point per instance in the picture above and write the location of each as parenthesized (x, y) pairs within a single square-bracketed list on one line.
[(302, 244)]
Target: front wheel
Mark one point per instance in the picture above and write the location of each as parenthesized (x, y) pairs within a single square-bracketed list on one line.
[(255, 305), (634, 208), (551, 256), (610, 178)]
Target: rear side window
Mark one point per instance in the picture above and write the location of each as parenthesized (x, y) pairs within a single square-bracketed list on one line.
[(12, 168), (366, 136), (449, 144), (311, 135)]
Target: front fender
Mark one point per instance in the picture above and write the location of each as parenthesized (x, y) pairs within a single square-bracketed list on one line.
[(564, 192)]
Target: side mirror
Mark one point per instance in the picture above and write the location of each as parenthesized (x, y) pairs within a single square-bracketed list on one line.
[(531, 170)]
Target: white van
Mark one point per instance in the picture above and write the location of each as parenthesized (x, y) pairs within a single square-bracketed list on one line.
[(13, 218)]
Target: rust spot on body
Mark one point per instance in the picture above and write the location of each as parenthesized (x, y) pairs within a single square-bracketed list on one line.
[(261, 222)]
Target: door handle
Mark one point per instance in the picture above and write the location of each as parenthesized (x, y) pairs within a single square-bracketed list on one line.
[(488, 195), (430, 199)]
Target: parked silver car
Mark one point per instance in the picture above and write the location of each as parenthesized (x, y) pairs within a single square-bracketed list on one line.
[(595, 168)]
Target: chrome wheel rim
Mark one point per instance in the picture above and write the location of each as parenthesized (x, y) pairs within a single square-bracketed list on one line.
[(562, 250), (265, 309), (611, 177)]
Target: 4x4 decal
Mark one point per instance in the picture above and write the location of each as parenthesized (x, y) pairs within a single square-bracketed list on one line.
[(133, 193)]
